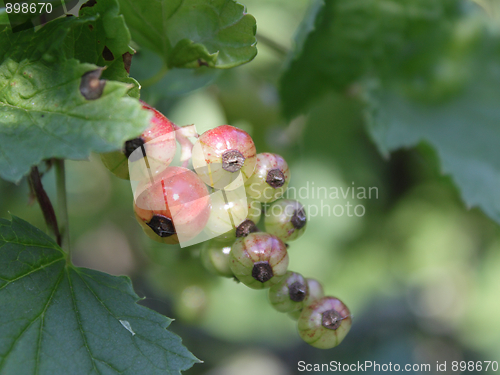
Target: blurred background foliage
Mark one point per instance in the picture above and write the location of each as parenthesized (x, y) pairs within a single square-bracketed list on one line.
[(419, 271)]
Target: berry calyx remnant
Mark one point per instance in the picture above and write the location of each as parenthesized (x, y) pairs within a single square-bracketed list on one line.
[(290, 293), (245, 228), (315, 292), (324, 323), (232, 160)]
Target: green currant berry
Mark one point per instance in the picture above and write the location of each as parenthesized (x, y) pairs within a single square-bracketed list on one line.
[(229, 212), (315, 292), (174, 207), (290, 293), (286, 219), (157, 142), (270, 179), (324, 323), (215, 258), (220, 153), (259, 260)]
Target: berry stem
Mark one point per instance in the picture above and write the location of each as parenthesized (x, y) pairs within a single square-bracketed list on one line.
[(182, 134), (62, 205), (43, 199), (151, 81), (278, 48)]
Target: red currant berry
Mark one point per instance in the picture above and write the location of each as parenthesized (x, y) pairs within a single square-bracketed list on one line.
[(290, 293), (286, 219), (215, 258), (157, 142), (324, 323), (259, 260), (270, 179), (221, 152), (175, 207)]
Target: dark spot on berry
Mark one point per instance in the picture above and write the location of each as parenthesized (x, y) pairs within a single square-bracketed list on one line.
[(262, 271), (132, 145), (245, 228), (297, 291), (162, 226), (275, 178), (91, 87), (331, 319), (287, 245), (232, 160), (127, 61), (43, 116), (299, 219), (89, 4), (107, 54)]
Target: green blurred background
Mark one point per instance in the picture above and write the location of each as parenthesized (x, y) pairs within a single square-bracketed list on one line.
[(419, 271)]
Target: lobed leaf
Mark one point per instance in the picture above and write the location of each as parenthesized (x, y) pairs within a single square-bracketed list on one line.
[(59, 319), (41, 107), (463, 130), (192, 33), (342, 42)]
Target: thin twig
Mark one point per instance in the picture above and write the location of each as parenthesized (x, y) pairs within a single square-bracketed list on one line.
[(148, 82), (45, 203), (272, 44), (62, 205)]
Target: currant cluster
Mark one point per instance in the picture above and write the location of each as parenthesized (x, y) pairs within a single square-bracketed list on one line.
[(222, 200)]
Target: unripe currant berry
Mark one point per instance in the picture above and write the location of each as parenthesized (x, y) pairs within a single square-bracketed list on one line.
[(226, 218), (324, 323), (222, 152), (270, 179), (286, 219), (175, 207), (259, 260), (215, 258), (290, 293), (315, 292), (157, 142)]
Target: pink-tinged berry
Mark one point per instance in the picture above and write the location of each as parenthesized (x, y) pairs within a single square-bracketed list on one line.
[(259, 260), (290, 293), (222, 152), (157, 142), (324, 323), (286, 219), (315, 292), (175, 207), (270, 179)]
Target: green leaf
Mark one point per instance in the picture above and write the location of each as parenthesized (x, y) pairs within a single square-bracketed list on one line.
[(342, 42), (464, 130), (191, 33), (59, 319), (42, 111)]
